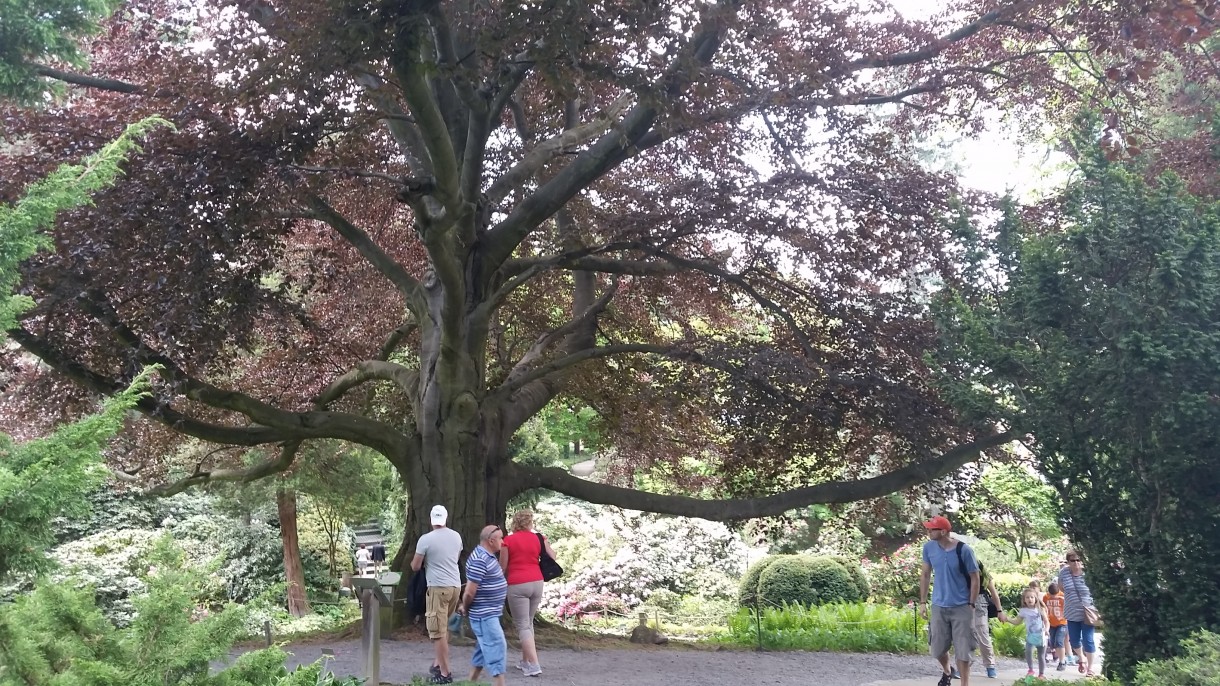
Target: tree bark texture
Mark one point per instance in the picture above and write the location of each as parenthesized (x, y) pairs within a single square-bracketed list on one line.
[(294, 570)]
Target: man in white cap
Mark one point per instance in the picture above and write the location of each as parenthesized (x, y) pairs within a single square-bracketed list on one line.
[(437, 552)]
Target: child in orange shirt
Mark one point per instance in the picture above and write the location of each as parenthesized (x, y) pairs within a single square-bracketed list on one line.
[(1058, 623)]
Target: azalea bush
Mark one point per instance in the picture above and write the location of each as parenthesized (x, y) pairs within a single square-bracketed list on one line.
[(894, 578)]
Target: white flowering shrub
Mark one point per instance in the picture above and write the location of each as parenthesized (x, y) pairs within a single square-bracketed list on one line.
[(615, 560), (114, 563)]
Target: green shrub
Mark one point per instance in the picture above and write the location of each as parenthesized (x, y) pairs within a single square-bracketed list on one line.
[(833, 582), (803, 580), (846, 627), (747, 594), (1199, 664), (857, 575), (57, 634), (894, 578), (1010, 586), (787, 580)]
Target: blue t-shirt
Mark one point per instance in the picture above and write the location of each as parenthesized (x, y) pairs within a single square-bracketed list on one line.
[(483, 569), (949, 587)]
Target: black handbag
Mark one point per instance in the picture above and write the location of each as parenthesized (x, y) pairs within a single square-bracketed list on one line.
[(550, 568)]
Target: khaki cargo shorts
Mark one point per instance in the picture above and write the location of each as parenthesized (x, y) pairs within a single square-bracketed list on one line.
[(442, 602), (951, 626)]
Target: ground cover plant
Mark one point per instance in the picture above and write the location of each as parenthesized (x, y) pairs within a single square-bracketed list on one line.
[(848, 627)]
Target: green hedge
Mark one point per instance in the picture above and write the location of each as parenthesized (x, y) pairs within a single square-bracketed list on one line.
[(1010, 587), (864, 589), (747, 594), (802, 580)]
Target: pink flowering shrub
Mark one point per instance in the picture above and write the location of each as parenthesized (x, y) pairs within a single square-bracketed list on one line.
[(895, 578)]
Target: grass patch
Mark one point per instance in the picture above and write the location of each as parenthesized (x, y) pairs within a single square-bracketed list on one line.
[(843, 627)]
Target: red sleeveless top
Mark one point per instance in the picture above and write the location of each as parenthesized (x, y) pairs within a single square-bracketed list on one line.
[(523, 551)]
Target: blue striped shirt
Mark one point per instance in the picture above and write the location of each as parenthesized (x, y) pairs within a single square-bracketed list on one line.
[(483, 569)]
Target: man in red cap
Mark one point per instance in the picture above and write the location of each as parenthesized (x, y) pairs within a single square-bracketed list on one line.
[(953, 598)]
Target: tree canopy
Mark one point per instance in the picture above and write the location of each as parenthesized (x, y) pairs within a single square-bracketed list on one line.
[(706, 221), (1101, 342)]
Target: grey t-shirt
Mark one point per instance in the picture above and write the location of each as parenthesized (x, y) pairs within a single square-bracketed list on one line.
[(441, 548)]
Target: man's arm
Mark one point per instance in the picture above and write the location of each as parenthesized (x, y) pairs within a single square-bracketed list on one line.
[(994, 596), (417, 562), (925, 576), (468, 597), (974, 589)]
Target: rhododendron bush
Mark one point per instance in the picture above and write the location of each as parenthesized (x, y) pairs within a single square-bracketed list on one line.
[(617, 559)]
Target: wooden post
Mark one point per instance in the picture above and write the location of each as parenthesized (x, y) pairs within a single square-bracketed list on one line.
[(267, 632), (758, 624), (370, 636)]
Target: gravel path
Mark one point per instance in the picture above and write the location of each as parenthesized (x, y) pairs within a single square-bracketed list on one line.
[(663, 666)]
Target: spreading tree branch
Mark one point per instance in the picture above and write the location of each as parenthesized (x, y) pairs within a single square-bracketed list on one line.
[(831, 492), (282, 463), (87, 81), (612, 148), (408, 285), (153, 408)]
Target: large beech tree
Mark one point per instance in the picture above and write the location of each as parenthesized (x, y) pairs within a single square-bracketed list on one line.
[(412, 225)]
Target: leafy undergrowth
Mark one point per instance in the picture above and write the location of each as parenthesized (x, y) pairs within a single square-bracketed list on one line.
[(843, 627)]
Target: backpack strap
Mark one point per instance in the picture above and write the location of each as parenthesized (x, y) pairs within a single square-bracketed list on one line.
[(961, 564)]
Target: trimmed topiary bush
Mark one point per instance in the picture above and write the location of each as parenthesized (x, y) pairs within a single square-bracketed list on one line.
[(857, 575), (832, 582), (747, 594), (788, 580), (803, 580)]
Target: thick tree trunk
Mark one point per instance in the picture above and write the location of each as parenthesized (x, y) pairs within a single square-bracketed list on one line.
[(294, 570), (480, 499)]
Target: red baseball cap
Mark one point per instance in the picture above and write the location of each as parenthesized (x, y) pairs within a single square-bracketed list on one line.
[(938, 522)]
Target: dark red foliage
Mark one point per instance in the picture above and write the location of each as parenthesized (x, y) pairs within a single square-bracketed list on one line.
[(727, 254)]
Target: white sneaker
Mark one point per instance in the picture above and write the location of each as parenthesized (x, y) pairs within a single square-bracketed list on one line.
[(532, 669)]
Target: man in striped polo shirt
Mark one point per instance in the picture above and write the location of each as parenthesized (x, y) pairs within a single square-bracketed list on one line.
[(483, 603)]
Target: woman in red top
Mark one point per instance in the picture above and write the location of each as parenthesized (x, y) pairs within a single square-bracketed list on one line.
[(519, 559)]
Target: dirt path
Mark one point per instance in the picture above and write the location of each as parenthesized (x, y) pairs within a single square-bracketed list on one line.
[(666, 666)]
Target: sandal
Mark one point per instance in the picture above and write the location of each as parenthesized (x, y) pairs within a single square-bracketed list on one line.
[(1080, 668), (1089, 673)]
